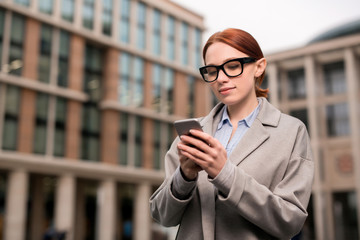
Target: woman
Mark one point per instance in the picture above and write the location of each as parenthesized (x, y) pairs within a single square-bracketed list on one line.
[(250, 174)]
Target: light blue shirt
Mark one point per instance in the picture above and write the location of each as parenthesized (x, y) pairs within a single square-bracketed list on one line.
[(225, 128)]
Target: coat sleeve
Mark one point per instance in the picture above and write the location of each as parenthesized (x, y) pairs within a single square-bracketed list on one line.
[(281, 212), (165, 208)]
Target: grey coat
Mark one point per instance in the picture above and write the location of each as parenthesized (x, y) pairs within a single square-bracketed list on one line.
[(270, 192)]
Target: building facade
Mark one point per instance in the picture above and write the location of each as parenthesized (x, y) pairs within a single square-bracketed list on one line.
[(88, 93), (320, 84)]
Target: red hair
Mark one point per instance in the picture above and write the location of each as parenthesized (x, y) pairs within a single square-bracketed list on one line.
[(244, 42)]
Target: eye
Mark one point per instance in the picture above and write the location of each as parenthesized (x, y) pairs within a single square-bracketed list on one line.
[(233, 65), (211, 71)]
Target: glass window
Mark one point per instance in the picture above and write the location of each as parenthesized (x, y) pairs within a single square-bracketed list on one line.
[(157, 32), (91, 113), (93, 73), (123, 148), (191, 96), (125, 21), (41, 123), (107, 17), (67, 10), (10, 129), (157, 145), (334, 74), (338, 119), (296, 84), (139, 82), (23, 2), (156, 87), (345, 218), (184, 43), (141, 25), (16, 45), (124, 79), (88, 197), (90, 132), (138, 141), (46, 6), (60, 127), (88, 14), (45, 54), (170, 135), (198, 48), (125, 217), (41, 204), (171, 38), (2, 22), (3, 194), (169, 89), (63, 68)]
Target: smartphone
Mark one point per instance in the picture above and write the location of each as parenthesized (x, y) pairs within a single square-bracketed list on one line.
[(183, 126)]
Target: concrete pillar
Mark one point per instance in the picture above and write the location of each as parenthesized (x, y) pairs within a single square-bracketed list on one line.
[(142, 220), (65, 205), (352, 81), (318, 201), (273, 79), (106, 210), (15, 219)]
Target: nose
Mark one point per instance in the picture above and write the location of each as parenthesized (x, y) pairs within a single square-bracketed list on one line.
[(222, 77)]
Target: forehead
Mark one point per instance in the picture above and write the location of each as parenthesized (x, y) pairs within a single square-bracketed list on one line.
[(219, 52)]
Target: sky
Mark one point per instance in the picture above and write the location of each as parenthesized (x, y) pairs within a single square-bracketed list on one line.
[(277, 25)]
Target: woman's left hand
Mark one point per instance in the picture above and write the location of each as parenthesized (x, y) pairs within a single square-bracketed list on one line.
[(209, 153)]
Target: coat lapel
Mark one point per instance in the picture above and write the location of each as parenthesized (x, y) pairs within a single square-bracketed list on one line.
[(253, 138)]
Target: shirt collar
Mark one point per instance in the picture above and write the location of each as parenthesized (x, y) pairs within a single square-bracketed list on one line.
[(225, 119)]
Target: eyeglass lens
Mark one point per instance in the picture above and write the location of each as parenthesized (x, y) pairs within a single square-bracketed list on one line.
[(231, 69)]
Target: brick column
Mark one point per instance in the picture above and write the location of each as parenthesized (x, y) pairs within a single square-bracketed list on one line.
[(181, 99), (202, 98), (110, 118), (28, 97), (148, 76), (109, 136), (73, 116)]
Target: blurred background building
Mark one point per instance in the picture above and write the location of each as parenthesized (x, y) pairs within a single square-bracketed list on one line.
[(320, 84), (88, 93)]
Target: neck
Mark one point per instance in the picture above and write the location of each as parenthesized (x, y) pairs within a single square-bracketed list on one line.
[(241, 110)]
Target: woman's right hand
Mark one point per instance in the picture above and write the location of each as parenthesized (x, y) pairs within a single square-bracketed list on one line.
[(188, 168)]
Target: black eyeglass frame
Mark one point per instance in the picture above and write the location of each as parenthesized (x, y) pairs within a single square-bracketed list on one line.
[(241, 60)]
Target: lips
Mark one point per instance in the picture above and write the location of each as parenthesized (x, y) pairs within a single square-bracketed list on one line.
[(225, 90)]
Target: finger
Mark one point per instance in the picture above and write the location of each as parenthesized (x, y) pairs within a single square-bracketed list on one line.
[(208, 139)]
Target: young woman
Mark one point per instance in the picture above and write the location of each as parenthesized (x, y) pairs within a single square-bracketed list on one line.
[(251, 172)]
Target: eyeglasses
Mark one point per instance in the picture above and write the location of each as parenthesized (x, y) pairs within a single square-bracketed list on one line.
[(231, 68)]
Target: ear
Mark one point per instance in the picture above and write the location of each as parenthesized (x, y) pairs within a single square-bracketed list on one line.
[(260, 67)]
